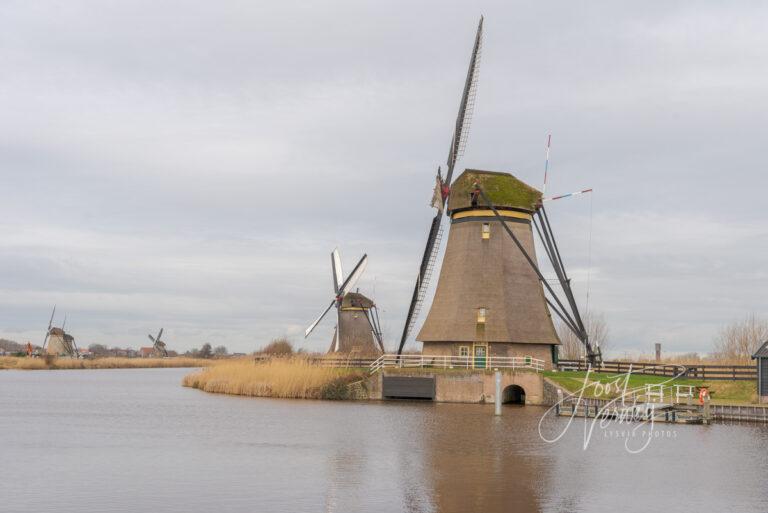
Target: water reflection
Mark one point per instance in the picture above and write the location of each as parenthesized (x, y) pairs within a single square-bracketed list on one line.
[(480, 462), (134, 440)]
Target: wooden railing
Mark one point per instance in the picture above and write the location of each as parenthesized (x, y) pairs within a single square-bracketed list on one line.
[(695, 371), (457, 362)]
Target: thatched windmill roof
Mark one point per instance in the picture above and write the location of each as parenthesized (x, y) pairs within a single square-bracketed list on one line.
[(503, 189), (356, 300)]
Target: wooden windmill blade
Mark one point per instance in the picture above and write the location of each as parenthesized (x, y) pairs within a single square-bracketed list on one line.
[(312, 326), (74, 351), (373, 321), (466, 107), (70, 346), (50, 325), (458, 143), (347, 331), (344, 289), (160, 345), (340, 287), (338, 273), (337, 334), (354, 276)]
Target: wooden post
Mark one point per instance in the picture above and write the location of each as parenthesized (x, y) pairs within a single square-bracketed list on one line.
[(498, 393), (707, 412)]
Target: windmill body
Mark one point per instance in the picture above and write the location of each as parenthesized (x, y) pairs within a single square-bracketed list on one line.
[(491, 298), (357, 329), (57, 342), (354, 334), (489, 301), (61, 343)]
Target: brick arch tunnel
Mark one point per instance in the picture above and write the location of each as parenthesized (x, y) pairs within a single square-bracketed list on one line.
[(513, 394)]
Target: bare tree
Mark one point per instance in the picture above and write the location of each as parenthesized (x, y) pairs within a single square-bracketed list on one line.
[(98, 349), (205, 351), (597, 328), (220, 351), (278, 346), (740, 339)]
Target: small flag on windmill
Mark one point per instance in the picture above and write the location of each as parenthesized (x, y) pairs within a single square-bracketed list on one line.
[(438, 194)]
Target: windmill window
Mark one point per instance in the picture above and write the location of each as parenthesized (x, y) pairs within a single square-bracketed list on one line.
[(481, 314), (464, 351), (486, 231)]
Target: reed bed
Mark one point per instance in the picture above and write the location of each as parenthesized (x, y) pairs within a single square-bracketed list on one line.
[(23, 363), (294, 378)]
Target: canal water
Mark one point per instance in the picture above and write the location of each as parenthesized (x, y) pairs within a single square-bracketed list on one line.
[(135, 440)]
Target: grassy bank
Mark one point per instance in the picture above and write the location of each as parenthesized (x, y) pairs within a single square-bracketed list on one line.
[(723, 392), (286, 378), (13, 362)]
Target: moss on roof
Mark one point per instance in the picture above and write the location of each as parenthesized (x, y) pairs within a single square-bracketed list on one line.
[(503, 189), (356, 300)]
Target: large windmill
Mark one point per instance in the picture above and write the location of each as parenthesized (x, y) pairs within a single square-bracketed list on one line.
[(158, 346), (357, 319), (491, 297), (57, 342)]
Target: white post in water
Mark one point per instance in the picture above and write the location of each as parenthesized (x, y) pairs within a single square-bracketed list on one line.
[(497, 397)]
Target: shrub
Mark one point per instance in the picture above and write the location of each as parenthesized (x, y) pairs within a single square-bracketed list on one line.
[(338, 389), (278, 347)]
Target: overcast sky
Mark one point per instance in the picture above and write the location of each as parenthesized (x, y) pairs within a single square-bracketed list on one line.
[(192, 164)]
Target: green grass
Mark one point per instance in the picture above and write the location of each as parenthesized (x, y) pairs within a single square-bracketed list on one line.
[(722, 392)]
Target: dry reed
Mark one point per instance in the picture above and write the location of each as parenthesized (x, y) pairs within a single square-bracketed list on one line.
[(294, 378), (23, 363)]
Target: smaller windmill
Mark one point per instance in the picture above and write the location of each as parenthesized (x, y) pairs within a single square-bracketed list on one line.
[(357, 319), (158, 346), (57, 342)]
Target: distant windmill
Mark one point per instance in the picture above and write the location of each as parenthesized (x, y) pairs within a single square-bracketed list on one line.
[(357, 327), (50, 324), (158, 346), (57, 342)]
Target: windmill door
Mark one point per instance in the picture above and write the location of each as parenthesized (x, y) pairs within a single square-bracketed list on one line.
[(481, 353)]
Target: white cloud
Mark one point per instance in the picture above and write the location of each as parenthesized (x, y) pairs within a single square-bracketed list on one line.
[(194, 167)]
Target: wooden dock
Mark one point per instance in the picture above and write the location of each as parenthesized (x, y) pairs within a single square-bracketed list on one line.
[(677, 413)]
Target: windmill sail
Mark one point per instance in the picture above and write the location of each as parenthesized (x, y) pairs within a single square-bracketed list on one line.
[(351, 280), (158, 345), (467, 105), (355, 331), (458, 143), (338, 273), (317, 321), (50, 324)]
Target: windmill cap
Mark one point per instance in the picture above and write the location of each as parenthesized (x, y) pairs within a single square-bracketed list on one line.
[(356, 300), (503, 189)]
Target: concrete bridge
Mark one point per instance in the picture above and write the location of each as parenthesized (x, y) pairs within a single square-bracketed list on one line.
[(457, 386)]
